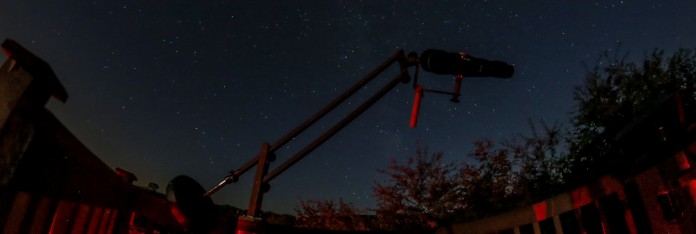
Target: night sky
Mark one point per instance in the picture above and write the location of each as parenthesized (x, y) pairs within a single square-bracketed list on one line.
[(163, 88)]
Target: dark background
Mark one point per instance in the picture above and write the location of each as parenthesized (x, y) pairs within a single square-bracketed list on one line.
[(162, 88)]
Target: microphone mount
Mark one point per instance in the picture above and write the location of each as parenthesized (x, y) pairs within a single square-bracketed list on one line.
[(458, 64), (419, 93)]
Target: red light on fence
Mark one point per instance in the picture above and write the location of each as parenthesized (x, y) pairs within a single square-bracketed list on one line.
[(691, 188), (682, 161), (541, 211), (670, 210), (580, 197)]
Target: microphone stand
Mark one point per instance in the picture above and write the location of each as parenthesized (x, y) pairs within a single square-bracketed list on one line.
[(251, 222), (267, 154)]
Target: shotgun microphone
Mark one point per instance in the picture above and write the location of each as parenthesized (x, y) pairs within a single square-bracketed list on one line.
[(441, 62)]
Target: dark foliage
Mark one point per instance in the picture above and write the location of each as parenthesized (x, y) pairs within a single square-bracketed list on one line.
[(426, 191), (614, 94), (330, 215), (420, 193)]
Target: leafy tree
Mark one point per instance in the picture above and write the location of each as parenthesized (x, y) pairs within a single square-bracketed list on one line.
[(514, 172), (424, 190), (490, 182), (330, 215), (615, 92), (540, 159)]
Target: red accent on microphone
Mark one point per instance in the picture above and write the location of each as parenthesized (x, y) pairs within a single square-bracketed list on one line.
[(416, 105), (457, 87)]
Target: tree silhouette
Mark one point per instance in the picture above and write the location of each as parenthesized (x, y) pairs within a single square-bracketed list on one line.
[(541, 162), (614, 94), (330, 215), (514, 172), (426, 191), (423, 191)]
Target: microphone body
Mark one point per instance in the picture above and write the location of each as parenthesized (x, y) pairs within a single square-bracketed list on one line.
[(441, 62)]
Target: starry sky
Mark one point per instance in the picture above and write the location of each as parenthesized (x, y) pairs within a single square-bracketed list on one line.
[(163, 88)]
